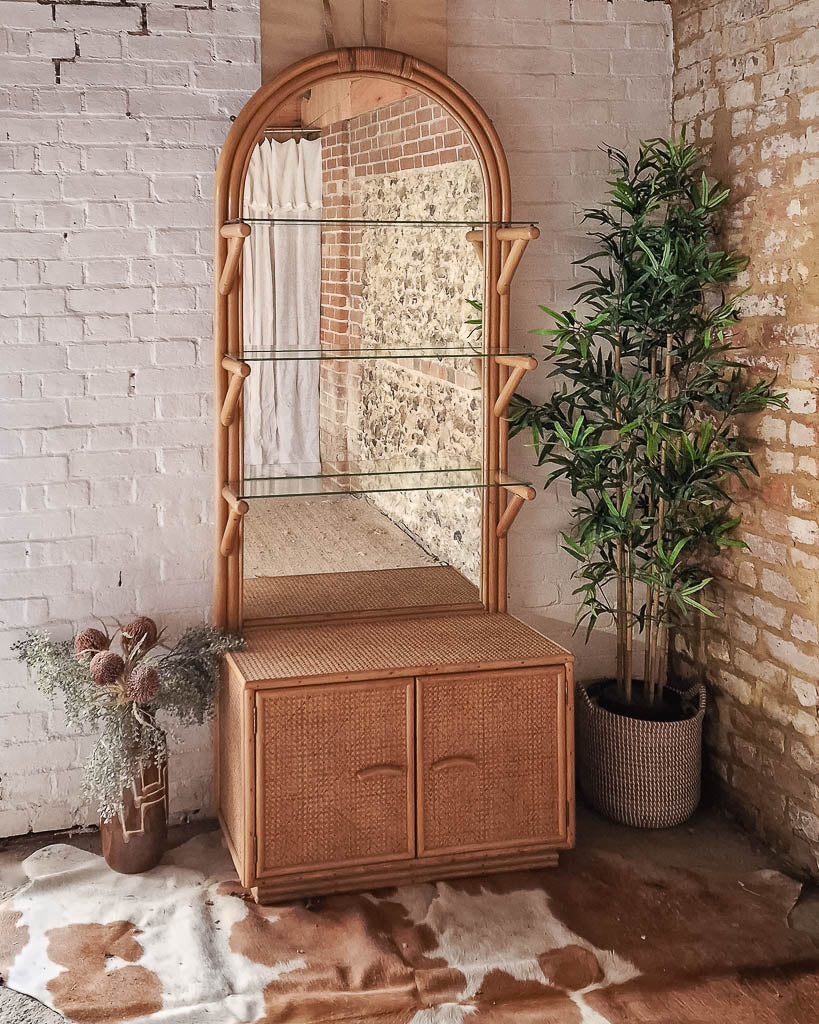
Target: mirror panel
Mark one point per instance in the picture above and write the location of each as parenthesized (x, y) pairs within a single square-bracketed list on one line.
[(362, 415)]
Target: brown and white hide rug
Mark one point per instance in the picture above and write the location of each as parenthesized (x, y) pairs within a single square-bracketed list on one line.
[(596, 941)]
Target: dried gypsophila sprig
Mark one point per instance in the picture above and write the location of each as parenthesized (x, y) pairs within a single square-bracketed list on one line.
[(130, 737)]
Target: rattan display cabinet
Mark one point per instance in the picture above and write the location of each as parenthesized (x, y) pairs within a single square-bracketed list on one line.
[(370, 758), (382, 725)]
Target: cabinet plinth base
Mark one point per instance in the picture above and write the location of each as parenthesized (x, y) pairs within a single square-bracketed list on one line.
[(386, 876)]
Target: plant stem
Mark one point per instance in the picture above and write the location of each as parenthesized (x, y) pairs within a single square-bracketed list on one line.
[(629, 623), (648, 681), (629, 636), (662, 629), (621, 582)]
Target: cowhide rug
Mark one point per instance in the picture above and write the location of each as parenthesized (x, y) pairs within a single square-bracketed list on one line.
[(595, 941)]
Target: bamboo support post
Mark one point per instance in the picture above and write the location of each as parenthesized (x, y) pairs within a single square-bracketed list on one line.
[(235, 235), (520, 238), (519, 366), (476, 238), (237, 509), (521, 493), (239, 371)]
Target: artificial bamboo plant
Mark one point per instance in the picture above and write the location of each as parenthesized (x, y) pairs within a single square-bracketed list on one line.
[(643, 424)]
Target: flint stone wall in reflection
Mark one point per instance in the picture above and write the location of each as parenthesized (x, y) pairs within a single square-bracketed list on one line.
[(388, 286)]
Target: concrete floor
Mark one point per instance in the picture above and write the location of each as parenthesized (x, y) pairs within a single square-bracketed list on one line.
[(709, 842)]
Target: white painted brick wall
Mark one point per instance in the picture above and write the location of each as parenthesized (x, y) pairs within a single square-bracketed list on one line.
[(559, 78), (112, 115), (105, 206)]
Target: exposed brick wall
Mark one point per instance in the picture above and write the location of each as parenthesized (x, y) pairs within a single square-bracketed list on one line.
[(747, 83), (112, 115), (340, 292)]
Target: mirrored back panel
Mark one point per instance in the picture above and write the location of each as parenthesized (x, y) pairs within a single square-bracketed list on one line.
[(362, 296)]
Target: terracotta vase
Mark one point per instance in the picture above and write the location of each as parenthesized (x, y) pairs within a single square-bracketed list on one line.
[(135, 840)]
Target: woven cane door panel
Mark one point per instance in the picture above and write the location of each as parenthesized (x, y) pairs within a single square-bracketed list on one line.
[(335, 768), (491, 759)]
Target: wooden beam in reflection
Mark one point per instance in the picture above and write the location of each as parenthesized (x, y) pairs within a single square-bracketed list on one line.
[(476, 238)]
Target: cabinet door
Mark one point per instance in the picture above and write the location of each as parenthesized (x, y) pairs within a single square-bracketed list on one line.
[(491, 759), (334, 767)]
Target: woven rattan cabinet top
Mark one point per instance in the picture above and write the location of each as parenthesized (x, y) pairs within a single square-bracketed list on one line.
[(417, 645)]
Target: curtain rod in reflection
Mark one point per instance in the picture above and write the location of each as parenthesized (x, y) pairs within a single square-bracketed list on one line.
[(292, 131)]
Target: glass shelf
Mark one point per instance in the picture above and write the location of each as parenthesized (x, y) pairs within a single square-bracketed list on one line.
[(364, 352), (364, 477), (368, 222)]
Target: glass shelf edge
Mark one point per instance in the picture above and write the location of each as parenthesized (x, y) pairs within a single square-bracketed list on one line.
[(272, 356), (371, 482), (364, 222)]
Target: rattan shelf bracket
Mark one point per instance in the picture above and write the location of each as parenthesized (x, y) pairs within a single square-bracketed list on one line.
[(239, 371), (520, 238), (520, 493), (237, 509), (476, 238), (519, 365), (235, 235)]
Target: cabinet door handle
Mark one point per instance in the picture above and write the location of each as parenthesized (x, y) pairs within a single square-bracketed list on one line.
[(374, 770), (456, 761)]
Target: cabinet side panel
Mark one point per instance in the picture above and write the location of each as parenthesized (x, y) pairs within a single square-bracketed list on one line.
[(231, 760), (492, 760)]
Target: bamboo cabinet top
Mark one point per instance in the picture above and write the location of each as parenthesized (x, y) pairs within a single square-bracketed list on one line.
[(388, 647)]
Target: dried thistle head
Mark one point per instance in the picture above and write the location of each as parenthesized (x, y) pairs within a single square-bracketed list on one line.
[(142, 685), (106, 667), (141, 632), (90, 640)]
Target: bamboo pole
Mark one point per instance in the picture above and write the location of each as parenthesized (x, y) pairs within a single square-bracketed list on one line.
[(662, 629), (629, 622), (519, 366), (238, 371), (235, 235), (621, 582), (648, 659)]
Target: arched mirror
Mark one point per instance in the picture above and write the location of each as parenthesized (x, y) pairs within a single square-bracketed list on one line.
[(362, 227), (361, 321)]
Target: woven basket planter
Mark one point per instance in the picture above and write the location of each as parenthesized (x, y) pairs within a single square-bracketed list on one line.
[(644, 774)]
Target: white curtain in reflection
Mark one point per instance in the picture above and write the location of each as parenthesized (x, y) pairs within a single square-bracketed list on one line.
[(281, 305)]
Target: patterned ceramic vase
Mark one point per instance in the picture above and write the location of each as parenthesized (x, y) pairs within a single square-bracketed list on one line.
[(639, 773), (135, 840)]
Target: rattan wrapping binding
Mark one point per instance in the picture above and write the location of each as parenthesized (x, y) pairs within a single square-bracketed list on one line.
[(644, 774)]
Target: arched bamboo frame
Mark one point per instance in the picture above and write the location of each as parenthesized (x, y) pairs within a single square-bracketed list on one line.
[(246, 133)]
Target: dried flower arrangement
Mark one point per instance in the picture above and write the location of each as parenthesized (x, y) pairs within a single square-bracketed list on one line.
[(122, 694)]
